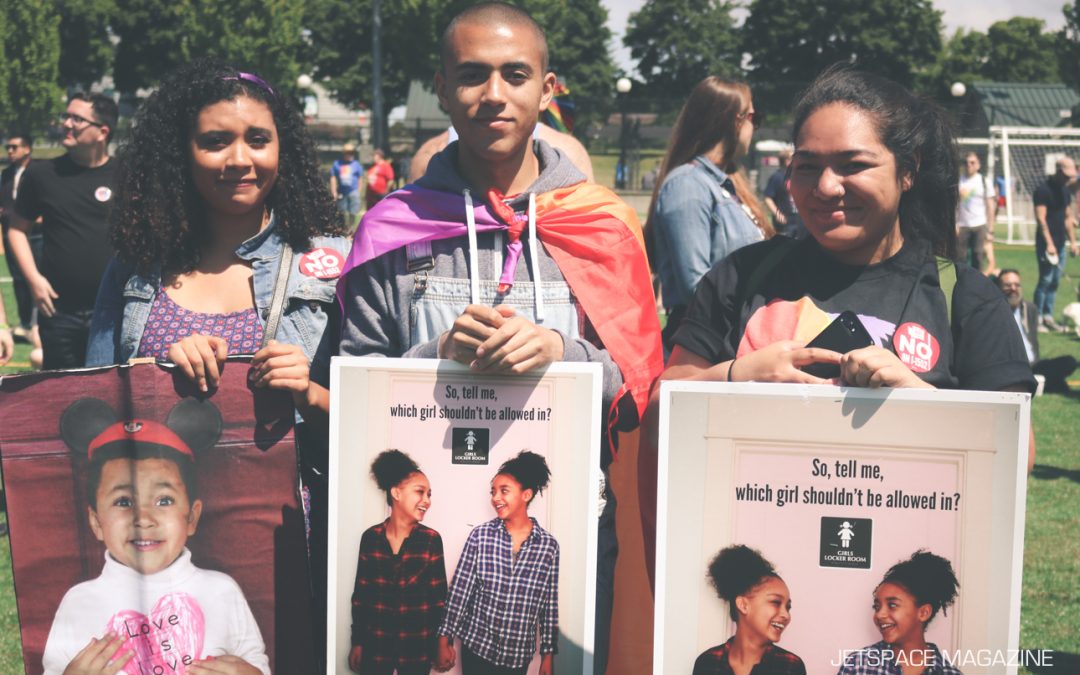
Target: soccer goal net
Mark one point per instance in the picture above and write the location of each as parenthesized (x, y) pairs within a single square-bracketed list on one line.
[(1018, 159)]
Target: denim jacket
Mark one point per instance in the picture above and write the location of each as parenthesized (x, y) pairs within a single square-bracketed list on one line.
[(124, 299), (698, 222)]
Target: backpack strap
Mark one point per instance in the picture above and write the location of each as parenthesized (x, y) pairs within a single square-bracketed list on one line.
[(764, 268), (947, 279), (277, 303)]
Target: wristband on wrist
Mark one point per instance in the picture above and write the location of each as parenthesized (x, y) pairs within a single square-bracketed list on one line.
[(731, 367)]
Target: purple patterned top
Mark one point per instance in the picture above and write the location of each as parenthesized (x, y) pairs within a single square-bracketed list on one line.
[(169, 323)]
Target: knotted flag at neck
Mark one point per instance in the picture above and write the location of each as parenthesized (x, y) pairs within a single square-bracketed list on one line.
[(516, 224)]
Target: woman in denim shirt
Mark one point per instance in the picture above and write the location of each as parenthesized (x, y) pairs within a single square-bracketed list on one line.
[(702, 208), (217, 181)]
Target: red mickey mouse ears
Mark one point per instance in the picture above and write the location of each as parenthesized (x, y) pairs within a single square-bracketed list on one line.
[(139, 431)]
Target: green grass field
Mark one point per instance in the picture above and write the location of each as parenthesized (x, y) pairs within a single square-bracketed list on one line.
[(1051, 592)]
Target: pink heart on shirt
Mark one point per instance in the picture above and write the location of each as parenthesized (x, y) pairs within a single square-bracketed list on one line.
[(166, 641)]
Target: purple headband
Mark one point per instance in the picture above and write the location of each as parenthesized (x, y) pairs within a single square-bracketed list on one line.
[(254, 79)]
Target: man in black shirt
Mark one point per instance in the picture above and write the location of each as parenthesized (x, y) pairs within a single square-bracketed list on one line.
[(1054, 226), (19, 149), (71, 194)]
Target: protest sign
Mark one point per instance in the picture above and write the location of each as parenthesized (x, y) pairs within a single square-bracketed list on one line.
[(244, 591), (460, 427), (834, 486)]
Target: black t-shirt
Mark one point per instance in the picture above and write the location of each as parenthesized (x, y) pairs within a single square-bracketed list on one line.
[(1055, 197), (900, 301), (74, 203)]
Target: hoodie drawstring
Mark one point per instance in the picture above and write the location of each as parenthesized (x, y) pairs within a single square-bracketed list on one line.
[(474, 273), (513, 254), (534, 245)]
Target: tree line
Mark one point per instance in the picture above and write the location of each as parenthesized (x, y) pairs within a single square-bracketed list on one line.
[(778, 45)]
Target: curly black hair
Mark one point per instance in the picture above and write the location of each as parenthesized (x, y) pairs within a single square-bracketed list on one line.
[(390, 468), (158, 216), (928, 577), (737, 569), (916, 131), (529, 469)]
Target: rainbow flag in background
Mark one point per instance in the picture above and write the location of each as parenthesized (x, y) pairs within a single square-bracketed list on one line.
[(560, 112)]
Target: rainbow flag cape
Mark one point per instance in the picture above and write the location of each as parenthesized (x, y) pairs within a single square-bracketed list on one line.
[(594, 238)]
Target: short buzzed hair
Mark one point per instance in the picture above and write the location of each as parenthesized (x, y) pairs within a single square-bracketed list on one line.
[(489, 13), (25, 140)]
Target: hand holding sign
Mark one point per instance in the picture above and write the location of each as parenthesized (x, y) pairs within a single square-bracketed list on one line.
[(518, 345), (476, 324), (877, 367)]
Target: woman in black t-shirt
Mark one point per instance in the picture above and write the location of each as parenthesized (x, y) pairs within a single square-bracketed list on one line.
[(874, 177)]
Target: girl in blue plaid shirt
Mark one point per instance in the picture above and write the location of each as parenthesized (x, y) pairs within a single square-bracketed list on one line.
[(905, 602), (760, 605), (400, 588), (505, 588)]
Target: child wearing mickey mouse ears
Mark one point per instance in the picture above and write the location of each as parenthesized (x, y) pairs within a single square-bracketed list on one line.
[(151, 610)]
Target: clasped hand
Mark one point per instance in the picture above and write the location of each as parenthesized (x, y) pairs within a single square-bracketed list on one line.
[(278, 365), (497, 339), (866, 367)]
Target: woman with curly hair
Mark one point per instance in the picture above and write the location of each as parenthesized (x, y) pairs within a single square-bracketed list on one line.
[(702, 206), (905, 602), (760, 607), (226, 236)]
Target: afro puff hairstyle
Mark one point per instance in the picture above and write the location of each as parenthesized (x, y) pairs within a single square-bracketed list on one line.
[(529, 469), (737, 569), (158, 217), (390, 468), (928, 577)]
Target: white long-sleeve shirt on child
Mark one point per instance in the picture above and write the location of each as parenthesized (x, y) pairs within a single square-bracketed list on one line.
[(170, 618)]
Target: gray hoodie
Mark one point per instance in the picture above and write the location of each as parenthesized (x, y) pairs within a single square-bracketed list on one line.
[(380, 294)]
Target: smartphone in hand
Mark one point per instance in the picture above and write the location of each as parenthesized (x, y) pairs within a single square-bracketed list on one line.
[(844, 334)]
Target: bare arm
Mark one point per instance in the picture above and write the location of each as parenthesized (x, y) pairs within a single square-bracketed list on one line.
[(775, 211), (40, 288), (430, 148), (7, 343), (1044, 229), (779, 362), (573, 148)]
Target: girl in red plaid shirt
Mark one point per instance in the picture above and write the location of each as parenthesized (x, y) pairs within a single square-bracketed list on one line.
[(760, 606), (400, 577)]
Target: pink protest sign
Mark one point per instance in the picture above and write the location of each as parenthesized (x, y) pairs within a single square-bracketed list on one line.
[(833, 487)]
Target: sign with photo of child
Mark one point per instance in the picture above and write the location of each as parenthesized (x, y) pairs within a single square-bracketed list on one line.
[(154, 526), (463, 515)]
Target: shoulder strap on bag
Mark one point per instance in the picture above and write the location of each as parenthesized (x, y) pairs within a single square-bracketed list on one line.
[(771, 260), (278, 302), (947, 278)]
